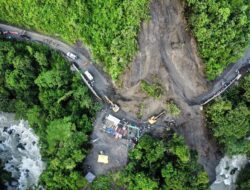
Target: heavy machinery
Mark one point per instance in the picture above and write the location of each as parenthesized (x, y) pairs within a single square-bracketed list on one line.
[(115, 107), (152, 120)]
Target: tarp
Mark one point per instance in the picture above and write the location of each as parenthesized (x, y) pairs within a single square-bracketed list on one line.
[(90, 177), (103, 159), (115, 120)]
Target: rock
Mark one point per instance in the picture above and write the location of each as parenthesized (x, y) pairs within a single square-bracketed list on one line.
[(21, 146)]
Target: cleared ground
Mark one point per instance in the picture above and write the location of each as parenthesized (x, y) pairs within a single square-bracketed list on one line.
[(168, 54), (115, 149)]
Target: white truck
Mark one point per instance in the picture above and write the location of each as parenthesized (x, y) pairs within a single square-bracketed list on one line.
[(71, 55), (89, 76)]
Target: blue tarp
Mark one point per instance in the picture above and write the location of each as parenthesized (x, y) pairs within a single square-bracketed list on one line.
[(110, 131)]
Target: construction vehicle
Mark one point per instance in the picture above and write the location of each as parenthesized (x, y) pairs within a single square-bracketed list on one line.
[(115, 107), (152, 120)]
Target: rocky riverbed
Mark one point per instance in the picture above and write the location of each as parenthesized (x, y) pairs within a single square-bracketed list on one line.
[(20, 152)]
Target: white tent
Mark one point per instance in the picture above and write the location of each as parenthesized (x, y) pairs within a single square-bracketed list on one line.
[(113, 119)]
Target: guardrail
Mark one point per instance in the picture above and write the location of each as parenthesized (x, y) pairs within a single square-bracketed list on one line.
[(86, 82), (15, 34), (223, 89)]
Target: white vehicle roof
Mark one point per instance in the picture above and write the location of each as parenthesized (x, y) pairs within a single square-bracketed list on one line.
[(115, 120), (71, 55), (90, 77)]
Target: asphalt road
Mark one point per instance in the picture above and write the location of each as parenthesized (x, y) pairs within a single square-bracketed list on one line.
[(226, 79), (101, 84)]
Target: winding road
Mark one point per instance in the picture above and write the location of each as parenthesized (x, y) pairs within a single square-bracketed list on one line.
[(233, 73), (102, 86)]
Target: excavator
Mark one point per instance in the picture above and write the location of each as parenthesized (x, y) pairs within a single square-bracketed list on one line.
[(115, 107), (152, 120)]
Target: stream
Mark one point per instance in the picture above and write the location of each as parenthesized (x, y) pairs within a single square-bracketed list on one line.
[(20, 152), (227, 172)]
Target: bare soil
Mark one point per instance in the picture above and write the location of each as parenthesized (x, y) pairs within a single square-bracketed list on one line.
[(168, 54), (116, 150)]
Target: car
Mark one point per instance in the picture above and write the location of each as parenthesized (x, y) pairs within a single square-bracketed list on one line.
[(10, 32), (72, 55)]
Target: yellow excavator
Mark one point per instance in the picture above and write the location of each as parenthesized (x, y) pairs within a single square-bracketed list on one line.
[(152, 120), (115, 107)]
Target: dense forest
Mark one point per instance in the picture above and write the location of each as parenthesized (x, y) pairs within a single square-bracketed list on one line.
[(38, 85), (243, 180), (60, 110), (157, 164), (228, 118), (108, 27), (222, 30)]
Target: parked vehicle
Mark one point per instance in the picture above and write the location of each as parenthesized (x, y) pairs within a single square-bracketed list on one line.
[(89, 76), (24, 36), (13, 33), (10, 32), (71, 55)]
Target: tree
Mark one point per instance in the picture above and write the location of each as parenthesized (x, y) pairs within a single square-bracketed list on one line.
[(140, 182), (221, 29), (243, 179), (229, 119), (38, 85), (177, 148), (58, 132), (158, 164)]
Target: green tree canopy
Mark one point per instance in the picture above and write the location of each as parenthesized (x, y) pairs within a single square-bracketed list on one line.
[(222, 30), (38, 85)]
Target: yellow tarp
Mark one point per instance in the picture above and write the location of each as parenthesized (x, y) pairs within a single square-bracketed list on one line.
[(103, 159)]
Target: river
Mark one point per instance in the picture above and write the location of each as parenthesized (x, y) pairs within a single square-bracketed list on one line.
[(20, 152)]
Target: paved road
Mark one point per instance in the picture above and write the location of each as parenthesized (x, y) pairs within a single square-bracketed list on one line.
[(233, 73), (102, 86)]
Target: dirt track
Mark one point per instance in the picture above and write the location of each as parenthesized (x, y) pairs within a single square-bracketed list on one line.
[(167, 52)]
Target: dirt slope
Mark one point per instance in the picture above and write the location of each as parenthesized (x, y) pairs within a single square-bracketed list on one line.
[(167, 54)]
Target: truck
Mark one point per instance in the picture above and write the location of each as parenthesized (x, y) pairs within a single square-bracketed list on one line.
[(72, 55), (89, 76)]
